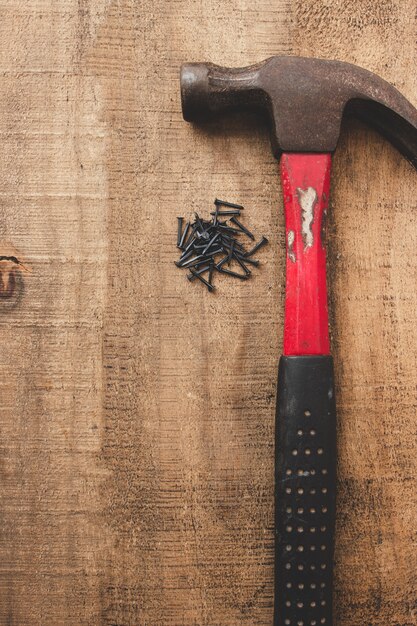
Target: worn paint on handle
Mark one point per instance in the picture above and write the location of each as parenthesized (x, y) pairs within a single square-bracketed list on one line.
[(306, 185)]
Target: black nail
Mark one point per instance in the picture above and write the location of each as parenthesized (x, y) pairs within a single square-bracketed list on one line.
[(210, 243), (201, 248), (200, 270), (228, 241), (198, 260), (200, 229), (190, 243), (242, 265), (179, 235), (229, 204), (260, 243), (221, 262), (230, 273), (190, 236), (184, 235), (232, 212), (231, 240), (190, 246), (186, 255), (210, 278), (201, 224), (203, 280), (214, 251), (253, 262), (229, 229), (231, 250), (247, 232)]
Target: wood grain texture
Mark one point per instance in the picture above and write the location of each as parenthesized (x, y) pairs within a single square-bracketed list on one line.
[(137, 410)]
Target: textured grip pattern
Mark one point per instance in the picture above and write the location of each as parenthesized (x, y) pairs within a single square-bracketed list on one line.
[(305, 491)]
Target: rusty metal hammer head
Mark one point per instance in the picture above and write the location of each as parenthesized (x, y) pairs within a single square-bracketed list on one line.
[(305, 99)]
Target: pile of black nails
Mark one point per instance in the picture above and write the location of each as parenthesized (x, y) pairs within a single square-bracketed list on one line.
[(208, 246)]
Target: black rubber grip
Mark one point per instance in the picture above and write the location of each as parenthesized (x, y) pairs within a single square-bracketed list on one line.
[(305, 490)]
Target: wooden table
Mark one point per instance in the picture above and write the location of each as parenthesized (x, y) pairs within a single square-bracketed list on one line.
[(137, 410)]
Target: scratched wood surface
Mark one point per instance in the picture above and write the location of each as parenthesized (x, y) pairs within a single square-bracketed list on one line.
[(137, 410)]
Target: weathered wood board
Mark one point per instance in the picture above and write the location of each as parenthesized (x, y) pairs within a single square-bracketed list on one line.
[(137, 410)]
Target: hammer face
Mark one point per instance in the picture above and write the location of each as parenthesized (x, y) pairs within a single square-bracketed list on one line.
[(195, 91)]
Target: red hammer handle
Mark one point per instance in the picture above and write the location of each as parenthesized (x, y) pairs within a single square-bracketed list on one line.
[(306, 184)]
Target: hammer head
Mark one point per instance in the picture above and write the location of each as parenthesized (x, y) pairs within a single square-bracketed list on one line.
[(304, 99)]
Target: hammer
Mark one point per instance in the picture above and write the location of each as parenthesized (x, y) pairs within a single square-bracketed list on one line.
[(304, 101)]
